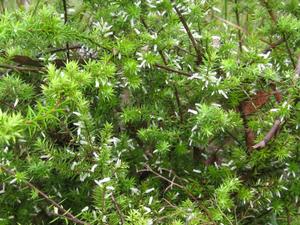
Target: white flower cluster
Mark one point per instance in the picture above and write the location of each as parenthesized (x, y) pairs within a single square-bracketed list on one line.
[(103, 27)]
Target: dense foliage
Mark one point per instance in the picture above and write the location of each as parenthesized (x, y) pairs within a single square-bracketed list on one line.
[(150, 112)]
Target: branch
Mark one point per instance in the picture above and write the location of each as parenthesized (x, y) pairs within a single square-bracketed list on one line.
[(297, 70), (63, 49), (273, 45), (173, 70), (269, 135), (274, 20), (237, 16), (290, 54), (118, 208), (270, 11), (23, 69), (172, 183), (191, 37), (63, 212), (277, 123), (66, 20), (178, 104)]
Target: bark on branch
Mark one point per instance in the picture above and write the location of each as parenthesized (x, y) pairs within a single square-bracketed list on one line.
[(272, 132)]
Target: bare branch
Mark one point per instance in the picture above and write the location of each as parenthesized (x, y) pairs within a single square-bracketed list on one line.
[(269, 135)]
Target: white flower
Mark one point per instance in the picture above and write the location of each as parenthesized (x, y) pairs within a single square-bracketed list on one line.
[(104, 180), (196, 171), (85, 209), (135, 190), (193, 111), (149, 190), (82, 177), (93, 168)]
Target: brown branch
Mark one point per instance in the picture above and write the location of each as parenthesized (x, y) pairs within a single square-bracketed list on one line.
[(161, 53), (178, 104), (290, 54), (248, 133), (185, 51), (189, 33), (277, 123), (23, 69), (273, 45), (26, 61), (274, 20), (237, 16), (272, 132), (64, 49), (297, 70), (180, 72), (270, 11), (118, 209), (63, 212), (66, 21), (149, 169)]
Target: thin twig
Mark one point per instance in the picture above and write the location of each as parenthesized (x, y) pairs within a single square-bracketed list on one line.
[(63, 49), (270, 11), (178, 104), (289, 51), (117, 208), (63, 212), (274, 45), (189, 33), (231, 24), (267, 49), (162, 55), (171, 182), (234, 138), (237, 16), (66, 21), (180, 72), (274, 20)]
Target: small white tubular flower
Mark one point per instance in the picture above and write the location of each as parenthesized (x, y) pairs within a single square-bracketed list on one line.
[(104, 180)]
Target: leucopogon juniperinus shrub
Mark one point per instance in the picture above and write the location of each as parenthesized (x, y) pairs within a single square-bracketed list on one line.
[(150, 112)]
